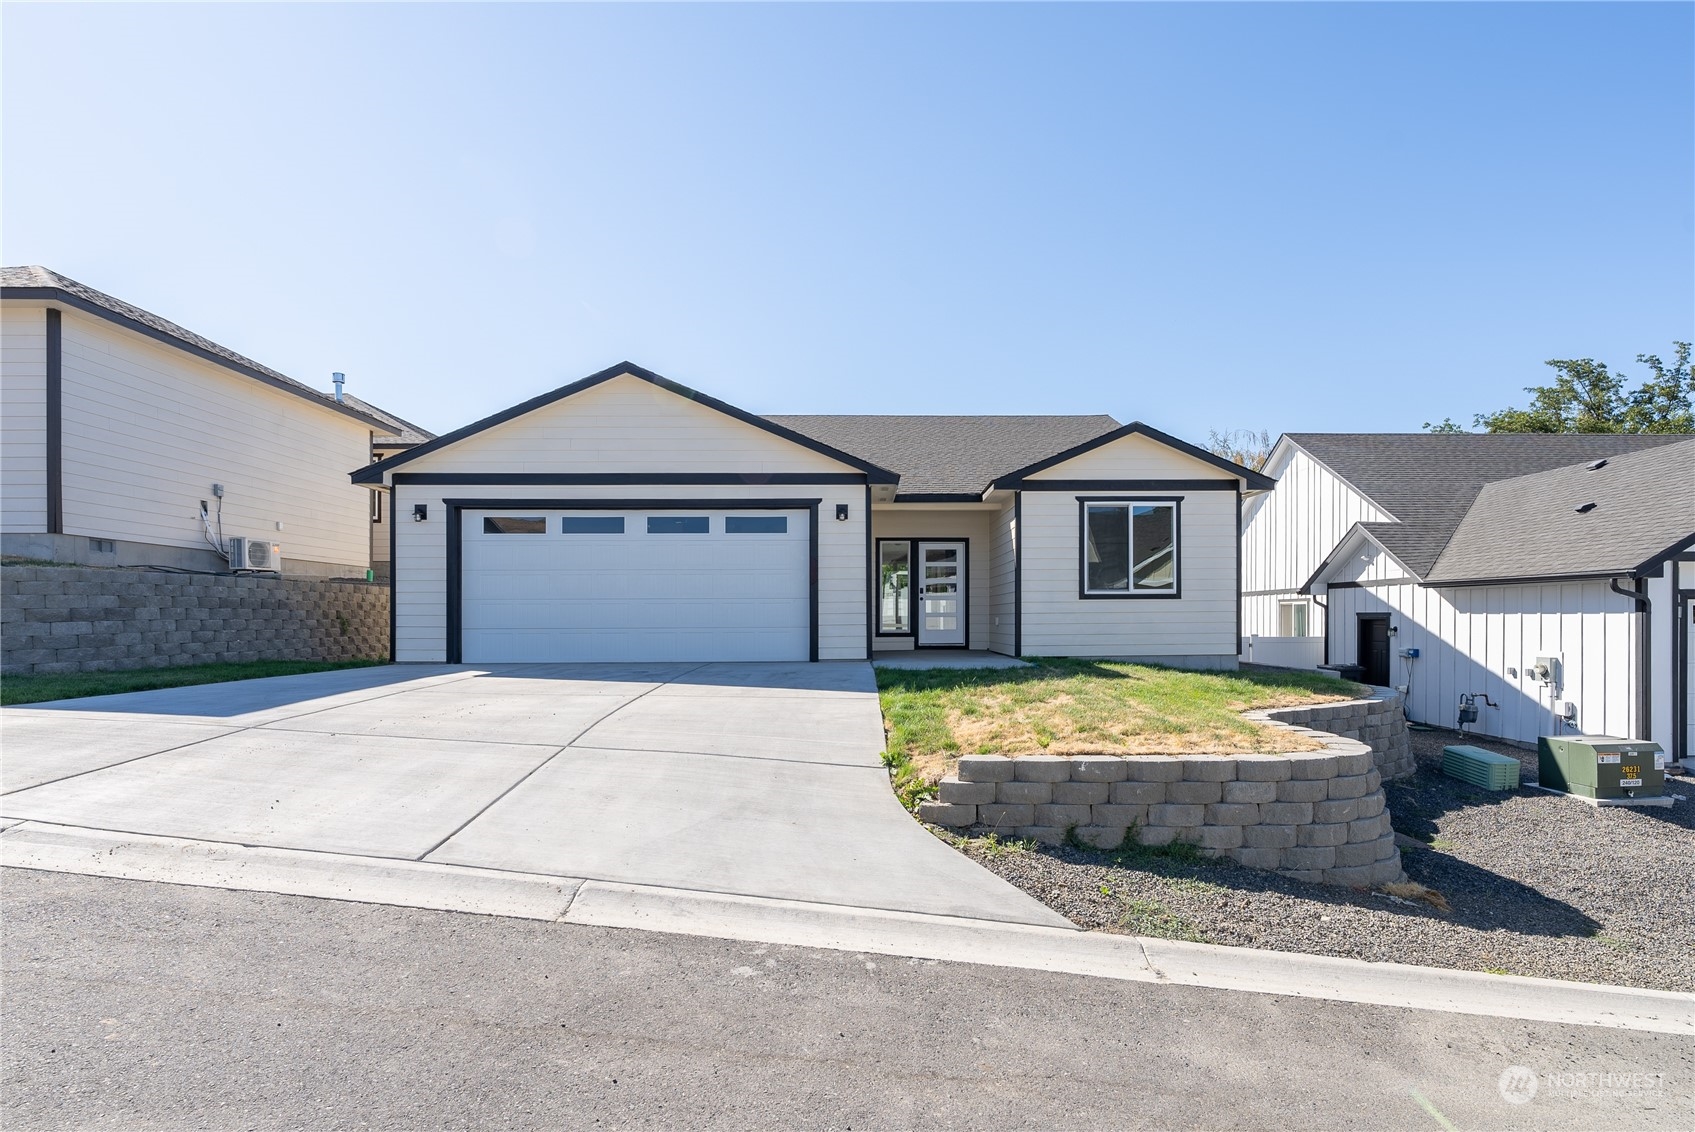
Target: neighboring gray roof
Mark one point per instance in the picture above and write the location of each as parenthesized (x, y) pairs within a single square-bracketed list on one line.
[(1428, 481), (1529, 527), (949, 455), (401, 433), (36, 282)]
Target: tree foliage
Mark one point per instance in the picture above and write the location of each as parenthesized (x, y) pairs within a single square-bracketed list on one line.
[(1241, 446), (1585, 396)]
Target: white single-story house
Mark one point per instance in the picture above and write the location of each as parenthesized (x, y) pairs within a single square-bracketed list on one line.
[(625, 517), (1545, 578), (130, 441)]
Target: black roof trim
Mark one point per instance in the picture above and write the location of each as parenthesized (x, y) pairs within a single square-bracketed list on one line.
[(1254, 480), (77, 302), (373, 473), (938, 497)]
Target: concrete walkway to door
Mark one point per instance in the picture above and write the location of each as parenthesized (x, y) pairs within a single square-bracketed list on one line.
[(756, 780)]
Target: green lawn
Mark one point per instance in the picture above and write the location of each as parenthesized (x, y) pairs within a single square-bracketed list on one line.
[(1087, 707), (38, 689)]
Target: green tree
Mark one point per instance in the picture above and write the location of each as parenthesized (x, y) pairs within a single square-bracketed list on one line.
[(1585, 396)]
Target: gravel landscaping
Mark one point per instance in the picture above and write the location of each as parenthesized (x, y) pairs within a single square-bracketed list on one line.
[(1534, 883)]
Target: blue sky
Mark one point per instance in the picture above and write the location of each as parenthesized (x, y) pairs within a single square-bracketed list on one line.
[(1201, 216)]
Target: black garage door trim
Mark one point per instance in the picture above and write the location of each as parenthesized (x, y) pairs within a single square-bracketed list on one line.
[(456, 544)]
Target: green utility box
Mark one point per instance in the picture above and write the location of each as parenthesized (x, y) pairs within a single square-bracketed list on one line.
[(1480, 767), (1602, 767)]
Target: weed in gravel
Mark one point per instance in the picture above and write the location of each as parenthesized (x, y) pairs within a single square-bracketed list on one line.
[(1611, 942), (1412, 890), (1150, 918), (1496, 971)]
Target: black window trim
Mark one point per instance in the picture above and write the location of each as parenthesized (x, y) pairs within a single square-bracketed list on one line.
[(1130, 594)]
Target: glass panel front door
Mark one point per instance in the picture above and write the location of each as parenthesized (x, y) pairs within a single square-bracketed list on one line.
[(941, 593)]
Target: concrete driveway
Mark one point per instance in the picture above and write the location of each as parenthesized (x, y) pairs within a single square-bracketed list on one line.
[(748, 779)]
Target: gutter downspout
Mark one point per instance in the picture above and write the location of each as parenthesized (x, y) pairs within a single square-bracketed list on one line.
[(1644, 654), (1326, 607)]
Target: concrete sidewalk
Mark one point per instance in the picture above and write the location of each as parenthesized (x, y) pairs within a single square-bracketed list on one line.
[(748, 779)]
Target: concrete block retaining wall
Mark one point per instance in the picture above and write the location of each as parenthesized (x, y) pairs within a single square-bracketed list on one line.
[(1379, 721), (82, 619), (1314, 815)]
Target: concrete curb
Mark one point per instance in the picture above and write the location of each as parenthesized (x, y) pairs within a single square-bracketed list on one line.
[(38, 845)]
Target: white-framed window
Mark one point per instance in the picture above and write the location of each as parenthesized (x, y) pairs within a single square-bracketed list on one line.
[(1292, 618), (1129, 548)]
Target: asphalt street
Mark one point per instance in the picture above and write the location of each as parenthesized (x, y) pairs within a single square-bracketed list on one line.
[(134, 1005)]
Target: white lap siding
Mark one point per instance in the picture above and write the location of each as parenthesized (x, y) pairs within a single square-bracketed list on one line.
[(1469, 638), (1199, 624), (148, 429), (1003, 576), (23, 420), (420, 562)]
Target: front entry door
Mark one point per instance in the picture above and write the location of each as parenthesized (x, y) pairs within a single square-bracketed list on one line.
[(941, 595), (1374, 647)]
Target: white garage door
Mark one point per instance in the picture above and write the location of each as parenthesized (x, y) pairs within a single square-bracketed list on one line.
[(550, 585)]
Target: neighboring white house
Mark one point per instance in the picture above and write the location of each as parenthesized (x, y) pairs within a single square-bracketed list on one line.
[(625, 517), (1481, 553), (118, 424)]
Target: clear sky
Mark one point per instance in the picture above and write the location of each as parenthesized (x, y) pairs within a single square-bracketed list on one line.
[(1201, 216)]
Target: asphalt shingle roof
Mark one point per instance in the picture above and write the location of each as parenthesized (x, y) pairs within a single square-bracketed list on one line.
[(949, 455), (36, 278), (401, 432), (1529, 527), (1429, 481)]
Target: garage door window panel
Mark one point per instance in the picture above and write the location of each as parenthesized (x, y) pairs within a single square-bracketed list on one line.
[(592, 525), (514, 525), (679, 525)]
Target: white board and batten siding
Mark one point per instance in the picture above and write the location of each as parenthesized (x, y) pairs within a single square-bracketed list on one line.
[(23, 420), (1197, 628), (625, 425), (1288, 532), (148, 429), (1470, 637)]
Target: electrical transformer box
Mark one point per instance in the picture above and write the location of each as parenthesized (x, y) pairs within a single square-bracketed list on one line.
[(1601, 766)]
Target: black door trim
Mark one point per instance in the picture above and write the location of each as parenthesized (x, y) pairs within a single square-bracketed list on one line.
[(456, 544)]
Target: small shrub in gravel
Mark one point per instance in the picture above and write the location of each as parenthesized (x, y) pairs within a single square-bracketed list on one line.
[(1537, 884)]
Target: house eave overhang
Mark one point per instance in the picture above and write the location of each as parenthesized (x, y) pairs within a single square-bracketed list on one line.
[(1250, 479), (377, 473), (1356, 535), (64, 298)]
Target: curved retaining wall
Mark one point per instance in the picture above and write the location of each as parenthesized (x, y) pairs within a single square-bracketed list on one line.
[(1379, 721), (1313, 815)]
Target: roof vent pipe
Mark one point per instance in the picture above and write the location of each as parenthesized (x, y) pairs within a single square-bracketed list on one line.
[(339, 380)]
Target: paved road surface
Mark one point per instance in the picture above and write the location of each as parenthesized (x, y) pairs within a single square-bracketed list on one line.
[(133, 1005)]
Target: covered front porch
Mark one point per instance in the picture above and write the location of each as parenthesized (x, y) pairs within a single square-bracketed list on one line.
[(944, 577)]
